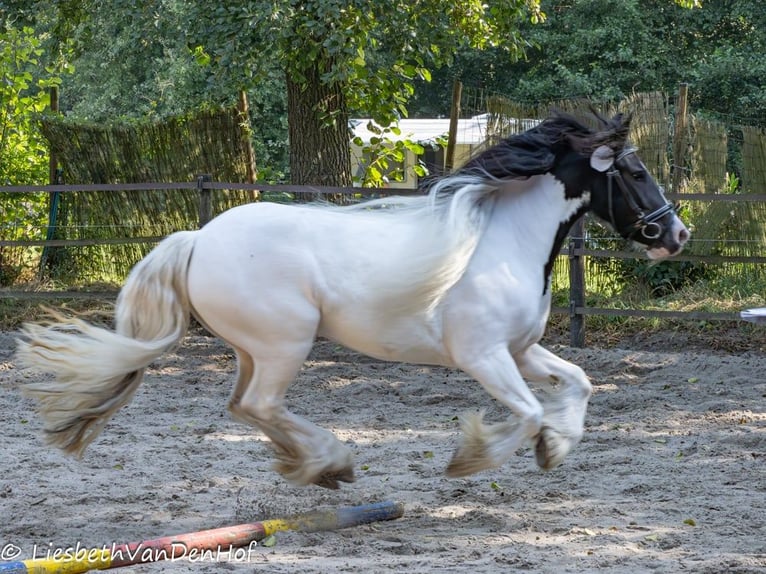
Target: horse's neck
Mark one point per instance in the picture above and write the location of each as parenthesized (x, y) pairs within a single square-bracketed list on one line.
[(530, 221)]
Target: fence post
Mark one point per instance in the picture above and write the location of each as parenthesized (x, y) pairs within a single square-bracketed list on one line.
[(52, 157), (576, 285), (679, 138), (48, 257), (205, 203)]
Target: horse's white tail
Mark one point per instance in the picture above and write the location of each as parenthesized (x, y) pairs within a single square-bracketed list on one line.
[(98, 370)]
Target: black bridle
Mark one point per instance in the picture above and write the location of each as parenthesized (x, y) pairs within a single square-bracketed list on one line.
[(646, 224)]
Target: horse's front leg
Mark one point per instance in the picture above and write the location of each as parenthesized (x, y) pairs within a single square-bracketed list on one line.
[(564, 416), (489, 446)]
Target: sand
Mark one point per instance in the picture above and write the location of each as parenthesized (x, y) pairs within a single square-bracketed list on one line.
[(670, 475)]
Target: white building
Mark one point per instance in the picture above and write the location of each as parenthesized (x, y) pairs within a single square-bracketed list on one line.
[(472, 136)]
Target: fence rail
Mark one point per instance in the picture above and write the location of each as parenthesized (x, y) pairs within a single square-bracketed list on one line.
[(575, 251)]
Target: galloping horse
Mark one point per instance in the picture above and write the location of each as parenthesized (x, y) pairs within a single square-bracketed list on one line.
[(459, 277)]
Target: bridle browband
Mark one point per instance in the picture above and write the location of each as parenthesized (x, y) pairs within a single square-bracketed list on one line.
[(646, 224)]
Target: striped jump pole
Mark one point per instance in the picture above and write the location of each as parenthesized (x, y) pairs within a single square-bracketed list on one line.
[(206, 544)]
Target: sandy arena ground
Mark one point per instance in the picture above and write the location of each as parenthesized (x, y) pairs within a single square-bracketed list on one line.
[(670, 476)]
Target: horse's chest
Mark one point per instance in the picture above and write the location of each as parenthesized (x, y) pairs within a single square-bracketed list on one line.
[(499, 307), (525, 322)]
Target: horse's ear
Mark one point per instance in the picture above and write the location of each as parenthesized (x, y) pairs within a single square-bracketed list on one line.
[(602, 158)]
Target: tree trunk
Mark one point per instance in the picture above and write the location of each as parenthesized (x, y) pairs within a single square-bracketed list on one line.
[(317, 118)]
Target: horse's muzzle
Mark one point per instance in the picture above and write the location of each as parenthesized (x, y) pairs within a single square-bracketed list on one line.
[(673, 241)]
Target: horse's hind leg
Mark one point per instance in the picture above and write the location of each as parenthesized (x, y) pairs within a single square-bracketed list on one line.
[(564, 414), (306, 453)]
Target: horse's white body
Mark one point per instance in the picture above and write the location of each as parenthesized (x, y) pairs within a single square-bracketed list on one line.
[(456, 279), (359, 289), (349, 276)]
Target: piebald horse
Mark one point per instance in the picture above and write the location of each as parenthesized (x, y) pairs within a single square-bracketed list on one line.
[(458, 277)]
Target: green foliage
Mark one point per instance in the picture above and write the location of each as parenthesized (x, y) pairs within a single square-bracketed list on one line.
[(732, 81), (133, 60), (655, 278), (385, 156), (24, 93), (661, 278), (587, 48), (159, 58), (164, 57), (605, 49)]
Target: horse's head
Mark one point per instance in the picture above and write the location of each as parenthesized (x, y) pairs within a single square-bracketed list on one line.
[(626, 195)]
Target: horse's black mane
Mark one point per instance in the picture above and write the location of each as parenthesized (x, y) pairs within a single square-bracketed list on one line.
[(534, 151)]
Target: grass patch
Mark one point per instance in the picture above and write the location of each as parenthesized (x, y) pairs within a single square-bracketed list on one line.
[(659, 333), (36, 297)]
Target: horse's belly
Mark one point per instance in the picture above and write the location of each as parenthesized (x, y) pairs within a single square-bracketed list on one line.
[(403, 339)]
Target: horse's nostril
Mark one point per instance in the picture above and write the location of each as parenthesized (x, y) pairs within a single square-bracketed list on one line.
[(683, 235)]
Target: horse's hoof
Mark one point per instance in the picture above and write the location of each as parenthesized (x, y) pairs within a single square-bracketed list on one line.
[(331, 479), (461, 468), (467, 461), (473, 454), (550, 449)]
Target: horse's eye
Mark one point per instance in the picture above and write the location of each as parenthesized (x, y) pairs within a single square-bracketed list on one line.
[(639, 176)]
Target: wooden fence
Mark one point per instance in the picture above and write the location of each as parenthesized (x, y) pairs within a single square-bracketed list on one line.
[(574, 251)]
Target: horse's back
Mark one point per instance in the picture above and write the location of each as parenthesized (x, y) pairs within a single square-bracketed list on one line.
[(316, 248), (256, 263)]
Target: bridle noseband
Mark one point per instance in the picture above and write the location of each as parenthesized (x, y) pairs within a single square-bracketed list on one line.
[(646, 224)]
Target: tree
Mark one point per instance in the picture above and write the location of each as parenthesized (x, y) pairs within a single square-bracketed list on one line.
[(338, 56)]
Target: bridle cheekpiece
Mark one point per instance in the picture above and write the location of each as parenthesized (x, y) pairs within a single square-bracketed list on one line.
[(646, 224)]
